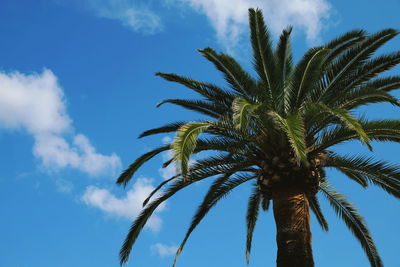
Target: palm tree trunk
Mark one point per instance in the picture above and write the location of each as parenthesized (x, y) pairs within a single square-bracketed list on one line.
[(293, 235)]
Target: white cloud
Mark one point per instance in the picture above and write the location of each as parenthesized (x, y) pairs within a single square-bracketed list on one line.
[(128, 12), (164, 250), (230, 17), (35, 103), (127, 207)]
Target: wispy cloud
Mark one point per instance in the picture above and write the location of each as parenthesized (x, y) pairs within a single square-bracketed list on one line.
[(127, 207), (230, 19), (129, 13), (164, 250), (35, 103)]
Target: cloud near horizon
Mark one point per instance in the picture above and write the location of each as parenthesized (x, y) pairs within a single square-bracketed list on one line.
[(127, 207), (35, 103)]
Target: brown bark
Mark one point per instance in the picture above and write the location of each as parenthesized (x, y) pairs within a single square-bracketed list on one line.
[(293, 237)]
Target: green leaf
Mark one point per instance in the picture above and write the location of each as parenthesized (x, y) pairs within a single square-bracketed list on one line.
[(307, 72), (262, 49), (126, 175), (351, 61), (234, 74), (380, 173), (185, 143), (251, 218), (348, 120), (204, 107), (293, 127), (354, 222), (242, 111), (208, 90), (316, 209), (380, 130)]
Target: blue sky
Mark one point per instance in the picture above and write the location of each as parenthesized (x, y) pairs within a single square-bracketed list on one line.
[(77, 88)]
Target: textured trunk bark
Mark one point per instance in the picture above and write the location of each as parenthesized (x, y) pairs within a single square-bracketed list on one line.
[(293, 235)]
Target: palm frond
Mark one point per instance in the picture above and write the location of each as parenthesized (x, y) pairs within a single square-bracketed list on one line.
[(170, 127), (208, 90), (386, 84), (219, 189), (379, 130), (283, 70), (262, 50), (238, 78), (316, 209), (155, 190), (126, 175), (293, 127), (380, 173), (242, 110), (265, 203), (346, 211), (307, 72), (351, 61), (342, 43), (185, 142), (204, 107), (141, 220), (347, 119), (372, 68), (251, 218), (366, 96)]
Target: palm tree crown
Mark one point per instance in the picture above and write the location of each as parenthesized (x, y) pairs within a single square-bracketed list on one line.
[(274, 130)]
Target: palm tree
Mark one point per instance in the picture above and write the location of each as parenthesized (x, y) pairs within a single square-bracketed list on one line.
[(275, 130)]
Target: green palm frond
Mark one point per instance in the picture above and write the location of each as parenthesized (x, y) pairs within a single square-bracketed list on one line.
[(126, 175), (283, 56), (170, 127), (242, 111), (207, 90), (155, 190), (219, 189), (351, 60), (354, 222), (262, 50), (380, 173), (342, 43), (366, 96), (386, 84), (347, 119), (204, 107), (316, 209), (185, 142), (251, 218), (372, 68), (307, 72), (293, 127), (141, 220), (380, 130), (238, 78), (284, 66)]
